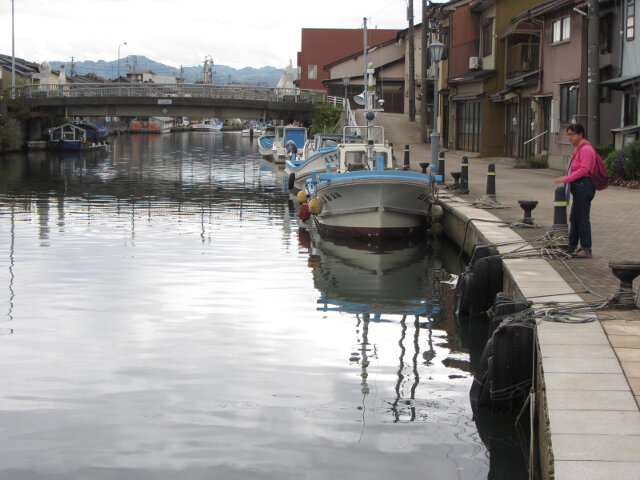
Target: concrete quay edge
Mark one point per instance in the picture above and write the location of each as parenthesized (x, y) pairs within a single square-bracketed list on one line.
[(589, 419)]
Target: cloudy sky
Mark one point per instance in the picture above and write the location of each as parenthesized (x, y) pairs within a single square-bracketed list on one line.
[(237, 33)]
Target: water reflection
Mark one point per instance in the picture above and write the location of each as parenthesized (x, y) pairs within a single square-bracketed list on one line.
[(166, 324)]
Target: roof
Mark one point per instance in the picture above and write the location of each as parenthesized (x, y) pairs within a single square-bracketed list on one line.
[(620, 83), (23, 67), (470, 77)]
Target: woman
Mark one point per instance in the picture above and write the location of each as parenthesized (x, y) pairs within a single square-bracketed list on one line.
[(581, 163)]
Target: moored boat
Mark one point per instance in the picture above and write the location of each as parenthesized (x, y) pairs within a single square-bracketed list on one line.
[(288, 139), (318, 152), (78, 136), (367, 197), (207, 125)]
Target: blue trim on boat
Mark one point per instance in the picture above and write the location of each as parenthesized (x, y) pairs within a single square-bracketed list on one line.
[(374, 174)]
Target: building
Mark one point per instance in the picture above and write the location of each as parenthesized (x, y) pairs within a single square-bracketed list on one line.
[(387, 61), (322, 46), (625, 80)]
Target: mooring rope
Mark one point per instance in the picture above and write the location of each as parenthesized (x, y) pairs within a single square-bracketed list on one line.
[(487, 202)]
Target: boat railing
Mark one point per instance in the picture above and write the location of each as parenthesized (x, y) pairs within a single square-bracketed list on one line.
[(366, 132), (168, 91)]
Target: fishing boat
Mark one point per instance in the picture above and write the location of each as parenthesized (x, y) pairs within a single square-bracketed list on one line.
[(265, 142), (207, 125), (366, 196), (78, 136), (317, 153), (288, 140)]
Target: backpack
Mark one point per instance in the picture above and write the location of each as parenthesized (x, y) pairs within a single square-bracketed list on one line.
[(599, 175)]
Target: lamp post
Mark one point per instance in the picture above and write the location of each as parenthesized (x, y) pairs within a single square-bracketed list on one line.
[(123, 43), (345, 82), (435, 49)]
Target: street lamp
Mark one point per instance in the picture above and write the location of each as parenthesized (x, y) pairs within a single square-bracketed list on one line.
[(123, 43), (345, 82), (435, 49)]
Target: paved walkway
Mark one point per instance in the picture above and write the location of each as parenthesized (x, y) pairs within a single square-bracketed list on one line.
[(596, 431)]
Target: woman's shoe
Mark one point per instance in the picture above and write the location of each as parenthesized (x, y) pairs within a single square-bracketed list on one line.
[(582, 253)]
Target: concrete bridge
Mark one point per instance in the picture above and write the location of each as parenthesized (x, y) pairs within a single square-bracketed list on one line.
[(171, 100)]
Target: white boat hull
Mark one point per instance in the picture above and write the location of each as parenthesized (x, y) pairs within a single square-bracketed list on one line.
[(390, 203)]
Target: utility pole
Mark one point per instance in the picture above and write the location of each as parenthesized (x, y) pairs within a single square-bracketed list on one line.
[(13, 53), (593, 72), (423, 84), (412, 65)]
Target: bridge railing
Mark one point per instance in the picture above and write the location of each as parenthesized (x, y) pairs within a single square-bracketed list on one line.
[(237, 92)]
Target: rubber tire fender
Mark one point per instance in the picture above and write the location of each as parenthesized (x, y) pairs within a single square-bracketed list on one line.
[(486, 282), (292, 179)]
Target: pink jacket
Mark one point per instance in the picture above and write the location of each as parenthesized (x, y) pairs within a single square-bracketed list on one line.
[(582, 162)]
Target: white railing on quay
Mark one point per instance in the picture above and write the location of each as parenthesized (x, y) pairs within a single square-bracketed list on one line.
[(184, 90)]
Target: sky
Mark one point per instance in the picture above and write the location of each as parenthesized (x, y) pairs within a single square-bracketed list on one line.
[(236, 33)]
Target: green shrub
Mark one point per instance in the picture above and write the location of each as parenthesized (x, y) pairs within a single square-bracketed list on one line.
[(605, 149), (326, 117), (624, 163)]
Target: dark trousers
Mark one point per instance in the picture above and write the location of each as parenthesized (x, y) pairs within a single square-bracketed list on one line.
[(583, 192)]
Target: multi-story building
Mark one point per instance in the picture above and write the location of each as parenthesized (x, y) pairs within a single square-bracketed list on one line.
[(322, 46)]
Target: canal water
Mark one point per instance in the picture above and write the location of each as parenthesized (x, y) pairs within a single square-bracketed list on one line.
[(165, 317)]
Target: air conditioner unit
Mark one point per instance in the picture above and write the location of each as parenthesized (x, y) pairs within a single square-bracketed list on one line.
[(474, 63)]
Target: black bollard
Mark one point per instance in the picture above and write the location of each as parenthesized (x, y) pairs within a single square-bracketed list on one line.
[(491, 181), (441, 167), (464, 176), (560, 209), (407, 163)]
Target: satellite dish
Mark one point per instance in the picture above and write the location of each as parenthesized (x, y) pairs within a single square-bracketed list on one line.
[(359, 99)]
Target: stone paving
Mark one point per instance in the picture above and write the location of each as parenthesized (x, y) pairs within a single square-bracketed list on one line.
[(589, 368)]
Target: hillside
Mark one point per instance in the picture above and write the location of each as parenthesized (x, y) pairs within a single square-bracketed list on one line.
[(222, 74)]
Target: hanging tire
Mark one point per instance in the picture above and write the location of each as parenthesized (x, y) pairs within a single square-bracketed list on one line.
[(503, 305), (481, 251), (486, 282), (513, 364), (480, 392), (462, 296), (292, 179)]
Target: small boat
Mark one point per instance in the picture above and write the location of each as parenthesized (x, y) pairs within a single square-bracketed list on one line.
[(288, 139), (252, 131), (207, 125), (265, 145), (78, 136), (367, 197), (318, 152)]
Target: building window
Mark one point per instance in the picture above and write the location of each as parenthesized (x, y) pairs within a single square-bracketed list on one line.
[(486, 33), (568, 102), (561, 30), (312, 72), (631, 16), (630, 109)]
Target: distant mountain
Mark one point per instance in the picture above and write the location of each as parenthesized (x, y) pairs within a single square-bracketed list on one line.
[(222, 74)]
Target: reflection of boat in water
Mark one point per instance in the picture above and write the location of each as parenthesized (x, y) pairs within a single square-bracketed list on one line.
[(373, 279)]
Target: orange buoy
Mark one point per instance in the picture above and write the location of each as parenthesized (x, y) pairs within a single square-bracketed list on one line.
[(315, 206)]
